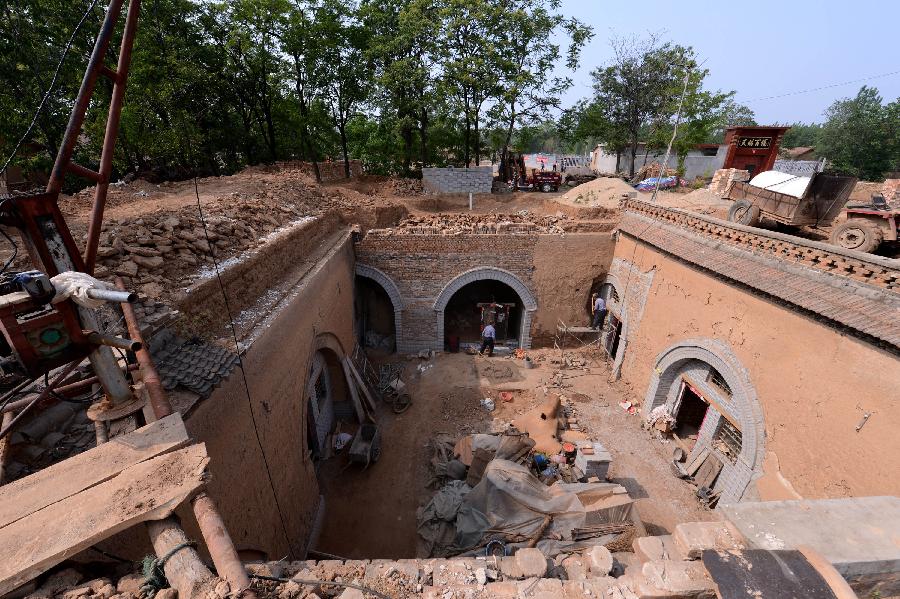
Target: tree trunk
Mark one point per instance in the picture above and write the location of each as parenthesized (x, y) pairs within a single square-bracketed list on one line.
[(304, 115), (618, 160), (423, 135), (342, 129), (477, 141)]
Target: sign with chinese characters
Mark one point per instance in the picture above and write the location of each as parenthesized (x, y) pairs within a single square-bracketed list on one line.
[(755, 142)]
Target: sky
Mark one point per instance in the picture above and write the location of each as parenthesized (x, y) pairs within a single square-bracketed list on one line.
[(759, 49)]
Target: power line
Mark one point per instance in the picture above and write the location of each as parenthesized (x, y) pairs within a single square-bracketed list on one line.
[(815, 89), (237, 350), (40, 107)]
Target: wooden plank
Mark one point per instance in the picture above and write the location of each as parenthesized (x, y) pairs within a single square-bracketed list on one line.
[(708, 472), (150, 490), (64, 479), (351, 384), (694, 465), (365, 389)]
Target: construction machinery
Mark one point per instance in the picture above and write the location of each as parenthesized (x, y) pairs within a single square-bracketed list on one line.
[(792, 201), (531, 173), (867, 226)]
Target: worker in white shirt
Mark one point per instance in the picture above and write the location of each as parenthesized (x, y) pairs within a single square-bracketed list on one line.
[(599, 310), (488, 335)]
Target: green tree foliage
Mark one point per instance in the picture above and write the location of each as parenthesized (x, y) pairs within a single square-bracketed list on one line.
[(216, 85), (860, 135), (802, 135), (638, 94)]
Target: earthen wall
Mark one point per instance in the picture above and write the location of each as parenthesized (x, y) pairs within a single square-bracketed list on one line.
[(813, 382), (318, 313)]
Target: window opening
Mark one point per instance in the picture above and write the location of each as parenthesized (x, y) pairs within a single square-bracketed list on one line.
[(728, 440)]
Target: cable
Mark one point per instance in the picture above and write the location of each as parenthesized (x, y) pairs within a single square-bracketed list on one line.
[(322, 583), (815, 89), (237, 350), (40, 107)]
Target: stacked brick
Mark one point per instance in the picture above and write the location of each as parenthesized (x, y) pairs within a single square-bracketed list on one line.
[(478, 179), (891, 192), (724, 177), (329, 170)]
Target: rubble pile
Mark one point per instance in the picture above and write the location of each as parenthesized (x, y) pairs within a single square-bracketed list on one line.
[(481, 224), (72, 583)]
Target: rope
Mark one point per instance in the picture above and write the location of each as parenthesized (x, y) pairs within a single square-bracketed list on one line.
[(322, 583), (154, 575)]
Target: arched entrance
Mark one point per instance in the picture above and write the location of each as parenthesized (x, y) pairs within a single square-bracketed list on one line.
[(378, 310), (485, 294), (325, 396), (718, 417)]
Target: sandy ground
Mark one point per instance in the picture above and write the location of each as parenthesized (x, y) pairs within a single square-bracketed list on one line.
[(605, 192), (371, 513)]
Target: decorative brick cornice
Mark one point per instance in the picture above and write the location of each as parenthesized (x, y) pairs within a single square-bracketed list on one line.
[(865, 268)]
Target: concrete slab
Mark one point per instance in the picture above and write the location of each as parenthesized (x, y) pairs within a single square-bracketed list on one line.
[(691, 538), (860, 536)]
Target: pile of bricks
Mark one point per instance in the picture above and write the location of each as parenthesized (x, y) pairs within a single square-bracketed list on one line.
[(522, 222), (891, 191), (724, 177), (478, 179)]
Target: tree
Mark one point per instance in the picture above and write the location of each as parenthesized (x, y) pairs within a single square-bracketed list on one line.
[(635, 90), (802, 135), (860, 135), (529, 54), (343, 70)]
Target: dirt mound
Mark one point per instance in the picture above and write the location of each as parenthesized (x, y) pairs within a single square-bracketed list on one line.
[(605, 192)]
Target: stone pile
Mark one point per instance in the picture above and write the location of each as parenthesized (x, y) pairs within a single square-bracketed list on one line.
[(665, 567), (156, 253), (481, 224), (724, 177)]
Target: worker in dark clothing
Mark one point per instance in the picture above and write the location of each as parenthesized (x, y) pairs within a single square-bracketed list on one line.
[(488, 335), (599, 310)]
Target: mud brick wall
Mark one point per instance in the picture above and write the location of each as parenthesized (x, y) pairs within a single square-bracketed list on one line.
[(556, 273), (477, 179)]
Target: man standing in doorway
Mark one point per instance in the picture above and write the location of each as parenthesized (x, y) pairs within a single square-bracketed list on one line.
[(599, 309), (488, 334)]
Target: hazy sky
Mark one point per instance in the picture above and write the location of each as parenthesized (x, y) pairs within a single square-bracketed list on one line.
[(760, 49)]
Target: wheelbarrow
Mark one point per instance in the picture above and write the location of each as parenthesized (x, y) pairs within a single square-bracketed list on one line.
[(366, 446)]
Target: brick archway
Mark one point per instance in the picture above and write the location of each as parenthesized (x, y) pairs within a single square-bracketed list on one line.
[(696, 357), (393, 293), (529, 303), (622, 315)]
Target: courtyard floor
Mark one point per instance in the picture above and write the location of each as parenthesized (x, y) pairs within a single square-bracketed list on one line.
[(372, 513)]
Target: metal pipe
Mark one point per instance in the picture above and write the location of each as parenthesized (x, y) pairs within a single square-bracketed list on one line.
[(105, 365), (4, 445), (112, 131), (112, 295), (221, 549), (42, 395), (101, 339), (159, 401), (83, 100)]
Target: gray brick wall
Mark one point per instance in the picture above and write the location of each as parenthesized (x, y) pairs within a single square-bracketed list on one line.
[(478, 179)]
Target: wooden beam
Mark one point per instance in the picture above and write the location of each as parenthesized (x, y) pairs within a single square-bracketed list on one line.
[(150, 490), (362, 385), (64, 479), (351, 384)]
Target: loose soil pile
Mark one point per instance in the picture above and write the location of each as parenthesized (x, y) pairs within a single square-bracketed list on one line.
[(605, 192)]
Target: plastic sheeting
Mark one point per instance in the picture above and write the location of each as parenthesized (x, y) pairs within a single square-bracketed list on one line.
[(785, 183), (511, 503)]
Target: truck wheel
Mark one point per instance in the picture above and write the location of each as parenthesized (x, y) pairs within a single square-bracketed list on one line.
[(546, 188), (857, 234), (744, 212)]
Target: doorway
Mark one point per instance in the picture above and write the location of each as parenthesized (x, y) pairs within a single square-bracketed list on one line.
[(480, 303), (691, 410)]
